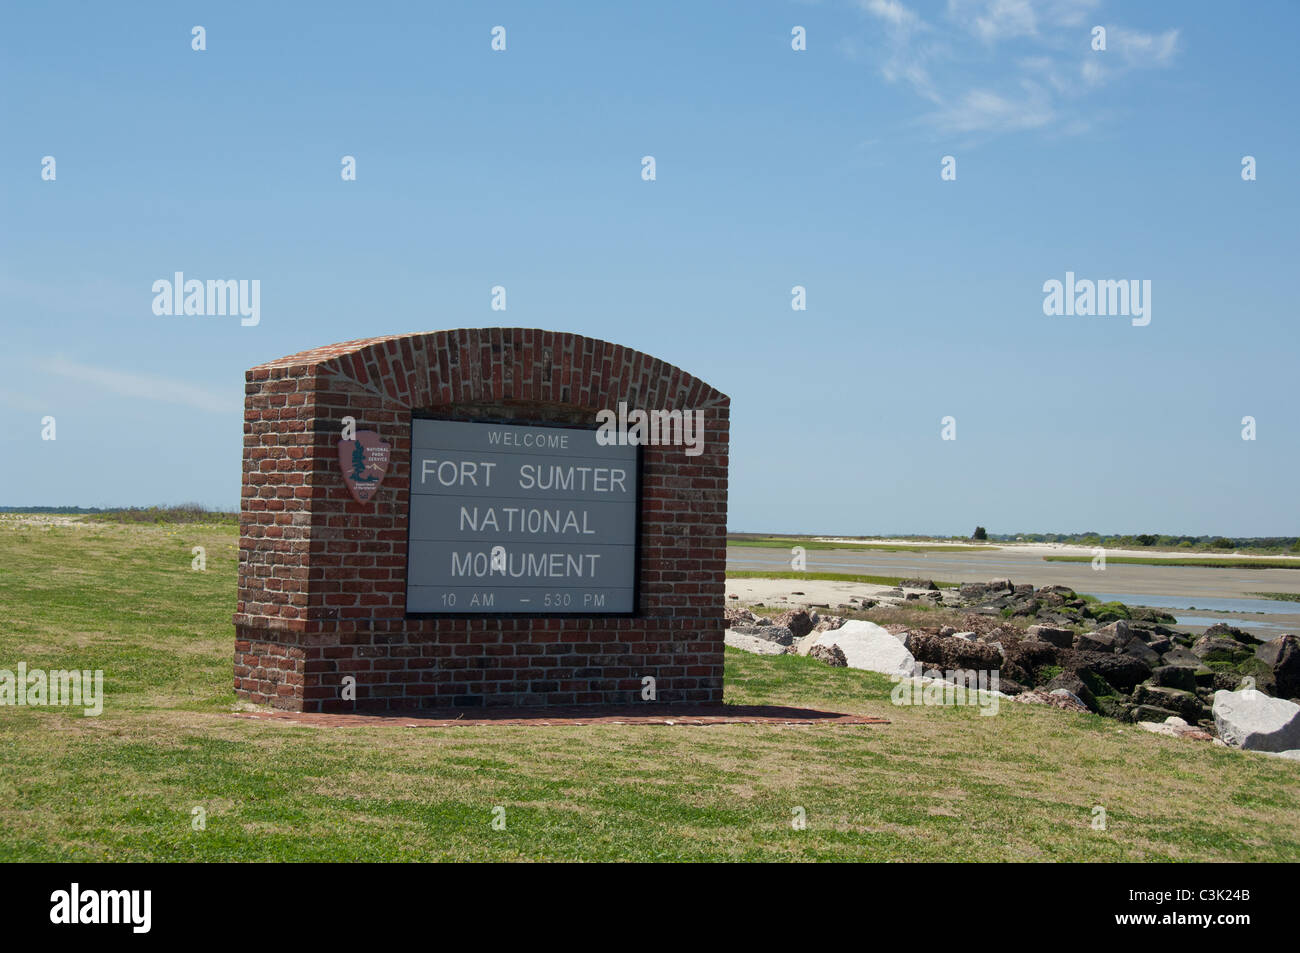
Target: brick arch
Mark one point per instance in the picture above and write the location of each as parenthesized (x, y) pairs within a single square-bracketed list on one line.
[(519, 364), (322, 578)]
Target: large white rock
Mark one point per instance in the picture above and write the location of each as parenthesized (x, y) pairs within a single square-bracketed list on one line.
[(867, 646), (1256, 722)]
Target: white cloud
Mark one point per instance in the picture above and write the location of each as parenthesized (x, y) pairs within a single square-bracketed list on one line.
[(981, 110), (956, 65), (1006, 20), (1143, 50), (892, 12), (140, 386), (993, 20), (1129, 50), (907, 59)]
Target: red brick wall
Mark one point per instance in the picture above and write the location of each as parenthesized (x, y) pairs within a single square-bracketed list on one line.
[(322, 579)]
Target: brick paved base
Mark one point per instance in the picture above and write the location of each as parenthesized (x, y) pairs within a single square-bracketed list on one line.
[(579, 716)]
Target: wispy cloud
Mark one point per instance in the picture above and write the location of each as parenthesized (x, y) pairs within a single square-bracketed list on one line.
[(892, 12), (141, 386), (1144, 50), (980, 110), (957, 62), (997, 19), (994, 20), (908, 54)]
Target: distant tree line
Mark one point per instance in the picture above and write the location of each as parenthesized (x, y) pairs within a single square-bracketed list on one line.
[(50, 509), (1139, 540)]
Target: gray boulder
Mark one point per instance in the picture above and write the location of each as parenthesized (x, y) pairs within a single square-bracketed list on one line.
[(1143, 652), (1122, 671), (827, 622), (1174, 676), (1255, 722), (1064, 592), (1184, 703), (1115, 706), (1061, 638), (1095, 642), (1283, 656), (798, 621), (1159, 644), (1075, 687), (1151, 713), (1218, 648), (985, 591), (1224, 630), (779, 634), (952, 653), (1023, 607), (1068, 694), (738, 616), (1120, 632), (1175, 727), (831, 655), (1058, 699), (1181, 657)]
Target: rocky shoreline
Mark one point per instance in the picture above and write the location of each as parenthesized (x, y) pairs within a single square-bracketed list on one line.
[(1122, 662)]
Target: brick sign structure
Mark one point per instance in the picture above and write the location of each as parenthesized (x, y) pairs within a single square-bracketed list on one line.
[(503, 554)]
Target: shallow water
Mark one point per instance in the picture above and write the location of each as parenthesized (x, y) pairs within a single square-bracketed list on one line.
[(1264, 630), (1266, 606)]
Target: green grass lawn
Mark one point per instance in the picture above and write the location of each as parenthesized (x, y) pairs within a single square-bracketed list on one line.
[(935, 784)]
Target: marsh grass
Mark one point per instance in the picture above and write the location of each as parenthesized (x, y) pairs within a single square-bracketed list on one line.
[(182, 513)]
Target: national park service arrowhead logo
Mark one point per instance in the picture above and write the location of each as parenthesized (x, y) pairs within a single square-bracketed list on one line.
[(364, 462)]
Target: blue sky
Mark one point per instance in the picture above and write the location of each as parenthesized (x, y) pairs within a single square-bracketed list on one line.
[(775, 168)]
